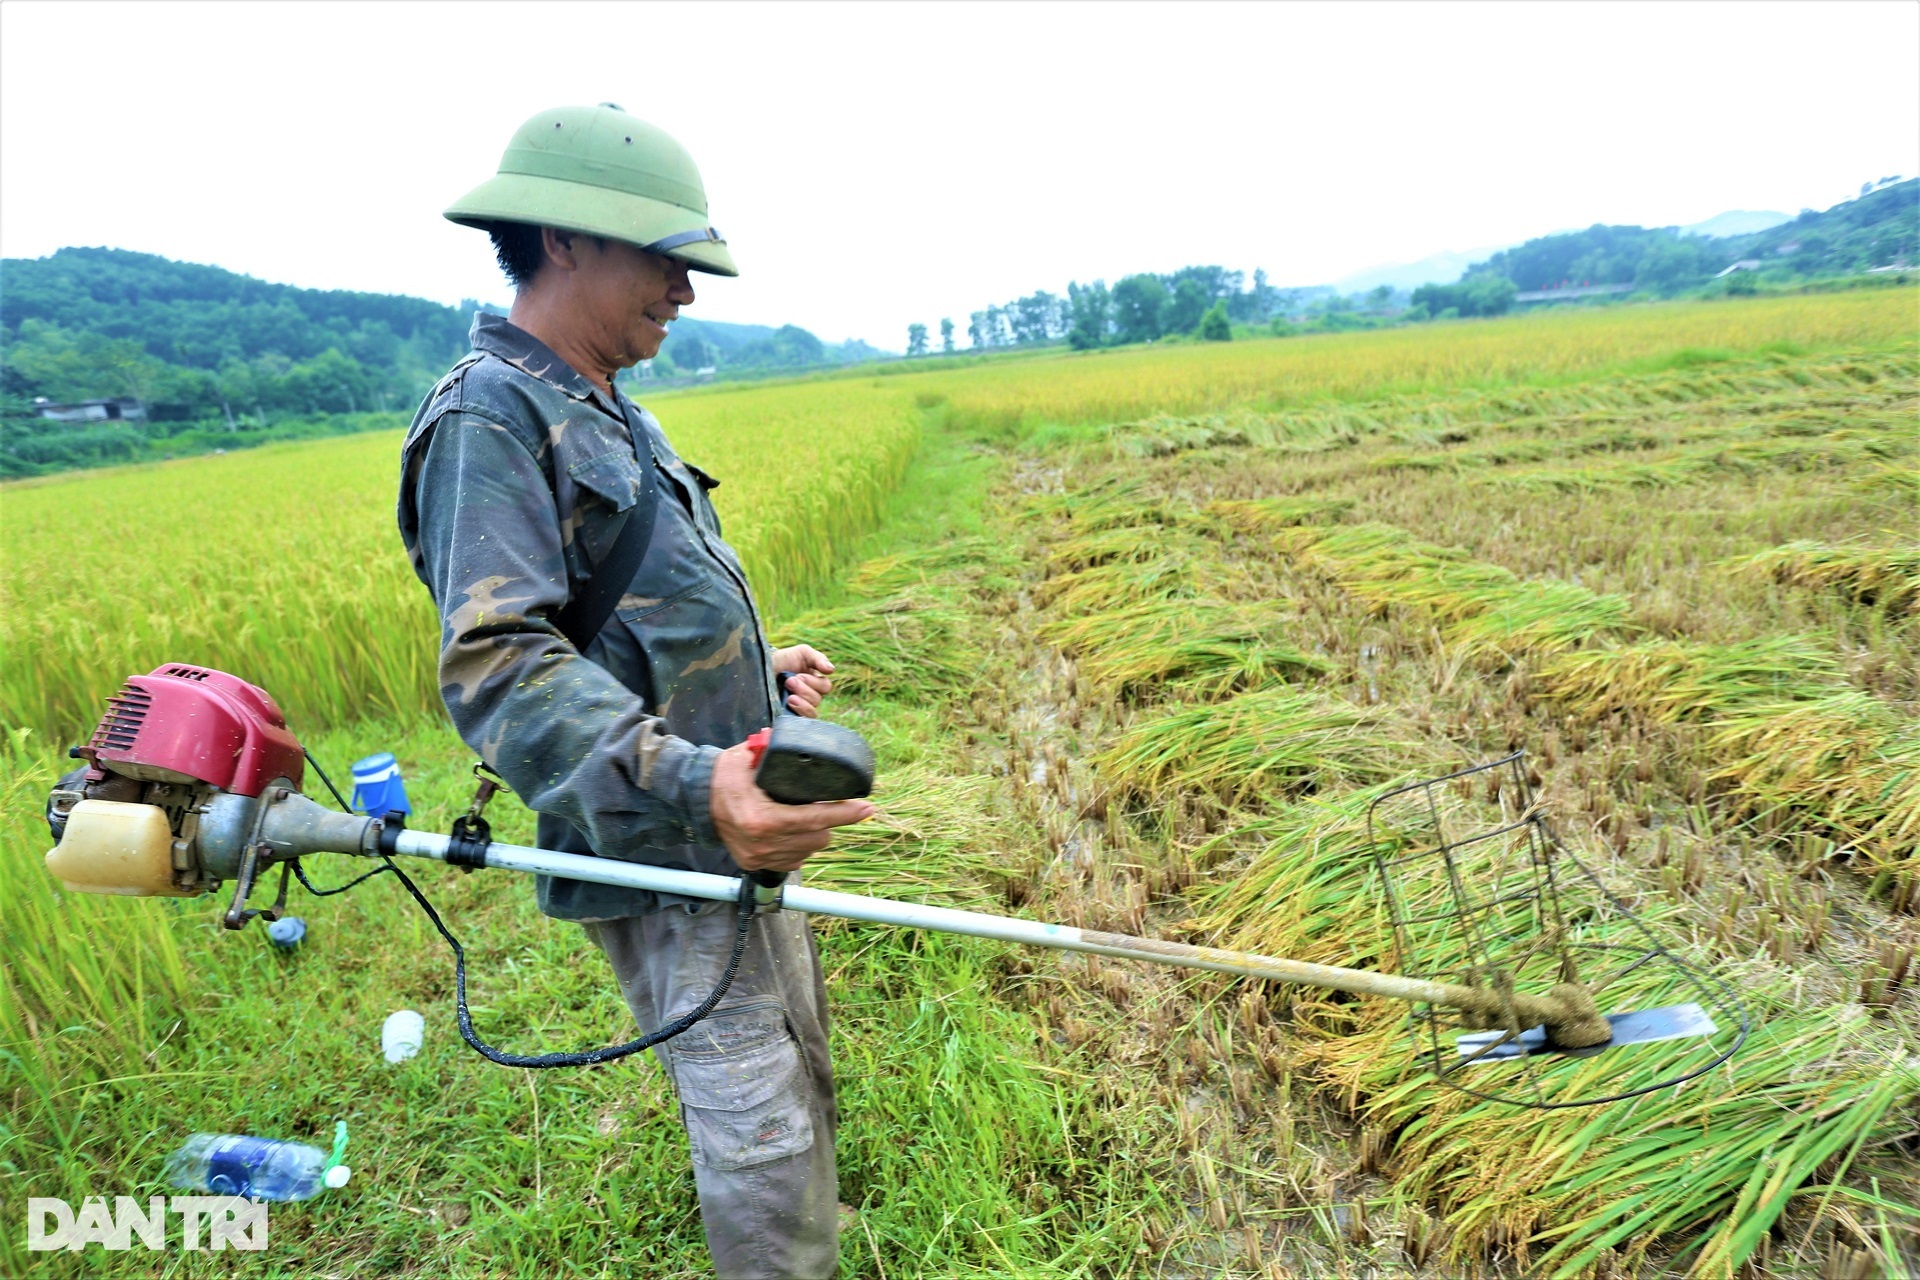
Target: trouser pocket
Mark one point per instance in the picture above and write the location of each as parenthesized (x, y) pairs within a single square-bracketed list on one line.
[(743, 1094)]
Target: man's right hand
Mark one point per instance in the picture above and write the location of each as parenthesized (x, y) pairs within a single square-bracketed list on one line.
[(761, 833)]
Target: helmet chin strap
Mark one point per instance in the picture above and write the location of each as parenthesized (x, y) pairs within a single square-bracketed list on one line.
[(703, 235)]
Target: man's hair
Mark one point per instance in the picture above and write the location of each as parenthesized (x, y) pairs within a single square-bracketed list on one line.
[(518, 247)]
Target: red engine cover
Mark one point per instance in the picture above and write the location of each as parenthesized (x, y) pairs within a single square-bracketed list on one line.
[(182, 723)]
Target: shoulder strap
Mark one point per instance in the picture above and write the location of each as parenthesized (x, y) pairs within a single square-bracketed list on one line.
[(582, 617)]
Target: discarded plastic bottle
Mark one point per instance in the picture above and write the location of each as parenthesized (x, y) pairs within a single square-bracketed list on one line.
[(228, 1164), (401, 1034)]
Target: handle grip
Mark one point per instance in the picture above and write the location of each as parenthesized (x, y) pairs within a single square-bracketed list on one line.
[(801, 761)]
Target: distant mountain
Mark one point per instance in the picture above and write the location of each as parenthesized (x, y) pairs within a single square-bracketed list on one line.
[(1440, 268), (1736, 222), (1879, 230), (1449, 265), (698, 343)]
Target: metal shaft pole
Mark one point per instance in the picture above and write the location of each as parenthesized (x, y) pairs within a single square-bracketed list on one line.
[(851, 906)]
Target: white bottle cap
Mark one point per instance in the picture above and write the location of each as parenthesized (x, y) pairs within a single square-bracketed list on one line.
[(337, 1176)]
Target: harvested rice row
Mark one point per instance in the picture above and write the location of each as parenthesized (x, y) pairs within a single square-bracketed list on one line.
[(1827, 389), (1887, 577), (1789, 733), (1484, 608), (1690, 464), (1204, 648), (1714, 1165)]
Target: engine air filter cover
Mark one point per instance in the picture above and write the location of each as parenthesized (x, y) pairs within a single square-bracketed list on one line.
[(191, 724)]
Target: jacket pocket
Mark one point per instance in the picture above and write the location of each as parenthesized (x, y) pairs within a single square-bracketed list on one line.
[(613, 477), (743, 1093)]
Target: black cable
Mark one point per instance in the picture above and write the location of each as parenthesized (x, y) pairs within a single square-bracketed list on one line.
[(337, 797), (307, 884), (590, 1058), (340, 800)]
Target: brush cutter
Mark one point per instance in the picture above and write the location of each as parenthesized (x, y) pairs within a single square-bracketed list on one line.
[(193, 779)]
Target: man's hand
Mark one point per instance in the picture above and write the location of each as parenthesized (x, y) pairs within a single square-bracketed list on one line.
[(761, 833), (807, 682)]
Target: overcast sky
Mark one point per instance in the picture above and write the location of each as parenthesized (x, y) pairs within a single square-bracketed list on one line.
[(873, 165)]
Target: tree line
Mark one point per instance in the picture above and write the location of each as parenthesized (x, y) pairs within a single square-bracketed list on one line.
[(222, 360), (1202, 301)]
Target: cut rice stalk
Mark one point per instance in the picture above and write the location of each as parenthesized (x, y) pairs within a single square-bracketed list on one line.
[(1886, 576), (1204, 646), (1270, 743)]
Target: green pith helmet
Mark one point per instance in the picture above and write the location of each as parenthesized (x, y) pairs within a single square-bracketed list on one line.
[(604, 172)]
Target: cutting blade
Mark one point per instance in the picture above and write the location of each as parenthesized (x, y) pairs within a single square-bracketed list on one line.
[(1642, 1026)]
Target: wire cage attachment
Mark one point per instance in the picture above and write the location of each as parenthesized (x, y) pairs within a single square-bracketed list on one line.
[(1482, 893)]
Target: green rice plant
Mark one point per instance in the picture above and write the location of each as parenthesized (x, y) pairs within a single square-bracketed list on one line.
[(1541, 616), (1178, 574), (913, 645), (1788, 733), (1114, 503), (937, 836), (1163, 437), (1265, 515), (955, 563), (1674, 681), (1898, 482), (1264, 744), (1203, 647), (1117, 544), (1887, 577), (1487, 609), (1305, 883), (282, 564)]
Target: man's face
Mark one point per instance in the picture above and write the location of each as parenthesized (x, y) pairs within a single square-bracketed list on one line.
[(629, 297)]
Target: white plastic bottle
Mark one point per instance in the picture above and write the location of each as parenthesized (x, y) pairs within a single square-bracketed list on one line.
[(401, 1034), (228, 1164)]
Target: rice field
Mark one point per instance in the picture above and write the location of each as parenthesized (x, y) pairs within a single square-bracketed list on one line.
[(283, 564), (1138, 637)]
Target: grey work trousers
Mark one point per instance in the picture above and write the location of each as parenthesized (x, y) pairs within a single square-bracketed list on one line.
[(755, 1086)]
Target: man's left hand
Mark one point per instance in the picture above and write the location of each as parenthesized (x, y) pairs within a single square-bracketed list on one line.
[(807, 669)]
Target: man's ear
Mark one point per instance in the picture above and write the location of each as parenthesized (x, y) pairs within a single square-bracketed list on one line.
[(558, 246)]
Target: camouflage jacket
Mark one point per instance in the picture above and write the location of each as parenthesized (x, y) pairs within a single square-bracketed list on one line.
[(510, 481)]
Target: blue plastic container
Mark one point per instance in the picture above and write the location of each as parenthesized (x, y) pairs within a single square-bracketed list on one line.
[(286, 932), (377, 787)]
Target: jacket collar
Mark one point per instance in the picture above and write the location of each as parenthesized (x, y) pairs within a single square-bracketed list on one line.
[(499, 336)]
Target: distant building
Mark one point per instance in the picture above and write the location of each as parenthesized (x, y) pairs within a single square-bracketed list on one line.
[(1745, 264), (118, 409), (1581, 291)]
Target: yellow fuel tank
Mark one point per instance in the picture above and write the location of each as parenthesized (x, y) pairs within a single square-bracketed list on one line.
[(114, 847)]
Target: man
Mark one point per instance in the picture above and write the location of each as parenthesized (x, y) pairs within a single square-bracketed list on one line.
[(518, 479)]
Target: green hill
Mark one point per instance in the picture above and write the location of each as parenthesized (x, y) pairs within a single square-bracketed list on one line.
[(219, 359)]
